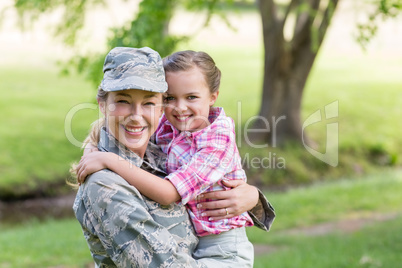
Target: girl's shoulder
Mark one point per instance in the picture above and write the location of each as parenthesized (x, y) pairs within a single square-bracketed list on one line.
[(219, 119)]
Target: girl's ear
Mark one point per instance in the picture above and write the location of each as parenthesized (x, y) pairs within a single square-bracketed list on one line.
[(102, 106), (214, 97)]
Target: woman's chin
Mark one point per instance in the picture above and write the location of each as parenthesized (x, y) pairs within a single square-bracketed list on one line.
[(135, 143)]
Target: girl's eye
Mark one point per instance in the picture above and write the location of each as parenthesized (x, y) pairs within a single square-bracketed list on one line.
[(122, 101), (150, 103), (192, 97)]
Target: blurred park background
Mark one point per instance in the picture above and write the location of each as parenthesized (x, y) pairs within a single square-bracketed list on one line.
[(329, 214)]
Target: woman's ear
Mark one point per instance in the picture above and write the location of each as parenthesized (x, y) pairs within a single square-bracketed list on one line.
[(102, 106), (214, 97)]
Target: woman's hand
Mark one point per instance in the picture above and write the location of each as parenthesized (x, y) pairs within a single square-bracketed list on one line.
[(227, 204), (91, 162)]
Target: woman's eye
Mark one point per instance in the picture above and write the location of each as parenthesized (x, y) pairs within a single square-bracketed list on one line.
[(192, 97), (122, 101), (169, 98), (150, 103)]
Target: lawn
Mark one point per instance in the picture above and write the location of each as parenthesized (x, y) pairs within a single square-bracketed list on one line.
[(376, 245), (35, 152), (61, 243)]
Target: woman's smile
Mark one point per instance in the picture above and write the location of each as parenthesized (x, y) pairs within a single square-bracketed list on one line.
[(134, 117), (134, 130)]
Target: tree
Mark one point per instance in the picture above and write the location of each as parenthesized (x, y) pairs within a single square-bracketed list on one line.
[(287, 62)]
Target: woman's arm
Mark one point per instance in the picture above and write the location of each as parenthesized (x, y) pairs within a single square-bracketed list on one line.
[(153, 187), (241, 198)]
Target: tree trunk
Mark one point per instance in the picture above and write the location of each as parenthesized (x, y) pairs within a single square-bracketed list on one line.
[(287, 65)]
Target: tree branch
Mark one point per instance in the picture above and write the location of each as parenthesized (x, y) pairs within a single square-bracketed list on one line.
[(327, 16), (306, 14), (268, 12), (290, 7)]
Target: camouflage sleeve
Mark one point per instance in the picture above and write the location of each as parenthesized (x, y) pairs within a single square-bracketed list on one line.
[(125, 228), (263, 214)]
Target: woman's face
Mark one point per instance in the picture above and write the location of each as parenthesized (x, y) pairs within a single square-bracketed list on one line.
[(132, 116)]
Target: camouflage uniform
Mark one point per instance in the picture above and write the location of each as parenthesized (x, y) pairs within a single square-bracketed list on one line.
[(125, 229)]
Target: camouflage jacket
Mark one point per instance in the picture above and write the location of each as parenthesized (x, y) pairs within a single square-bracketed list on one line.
[(125, 229)]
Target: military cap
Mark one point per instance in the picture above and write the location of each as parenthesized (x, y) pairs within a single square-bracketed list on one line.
[(133, 68)]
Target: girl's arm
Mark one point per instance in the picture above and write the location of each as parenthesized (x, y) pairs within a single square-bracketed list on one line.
[(153, 187)]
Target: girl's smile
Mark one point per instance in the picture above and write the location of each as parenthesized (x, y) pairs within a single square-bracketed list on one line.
[(188, 100)]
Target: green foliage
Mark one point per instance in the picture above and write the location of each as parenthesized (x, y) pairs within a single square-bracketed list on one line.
[(385, 9), (149, 27), (72, 21)]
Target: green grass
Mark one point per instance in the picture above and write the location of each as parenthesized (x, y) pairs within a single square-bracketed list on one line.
[(377, 245), (337, 200), (35, 150), (61, 243), (47, 244), (369, 95)]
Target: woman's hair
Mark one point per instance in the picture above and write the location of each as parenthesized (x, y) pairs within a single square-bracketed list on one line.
[(94, 134), (188, 59), (92, 138)]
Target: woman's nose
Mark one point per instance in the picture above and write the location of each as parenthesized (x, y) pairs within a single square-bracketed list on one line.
[(136, 112)]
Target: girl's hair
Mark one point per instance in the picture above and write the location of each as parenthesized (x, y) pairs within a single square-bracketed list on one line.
[(92, 138), (188, 59)]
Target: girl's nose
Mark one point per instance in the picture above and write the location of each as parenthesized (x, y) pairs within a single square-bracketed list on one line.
[(181, 106)]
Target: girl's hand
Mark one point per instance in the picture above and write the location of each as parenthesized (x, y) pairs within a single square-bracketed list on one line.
[(227, 204), (91, 162), (89, 148)]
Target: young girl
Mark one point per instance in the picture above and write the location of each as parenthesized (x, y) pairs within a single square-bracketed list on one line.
[(199, 141)]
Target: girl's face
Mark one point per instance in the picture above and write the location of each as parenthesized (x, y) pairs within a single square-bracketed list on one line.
[(188, 100), (132, 117)]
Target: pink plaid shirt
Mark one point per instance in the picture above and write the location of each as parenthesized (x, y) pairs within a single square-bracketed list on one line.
[(198, 161)]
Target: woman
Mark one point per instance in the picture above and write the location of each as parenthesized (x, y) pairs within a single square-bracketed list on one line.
[(122, 227)]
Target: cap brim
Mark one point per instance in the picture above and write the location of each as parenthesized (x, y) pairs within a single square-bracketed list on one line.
[(133, 82)]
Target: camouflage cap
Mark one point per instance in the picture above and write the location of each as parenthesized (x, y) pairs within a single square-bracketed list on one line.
[(133, 68)]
